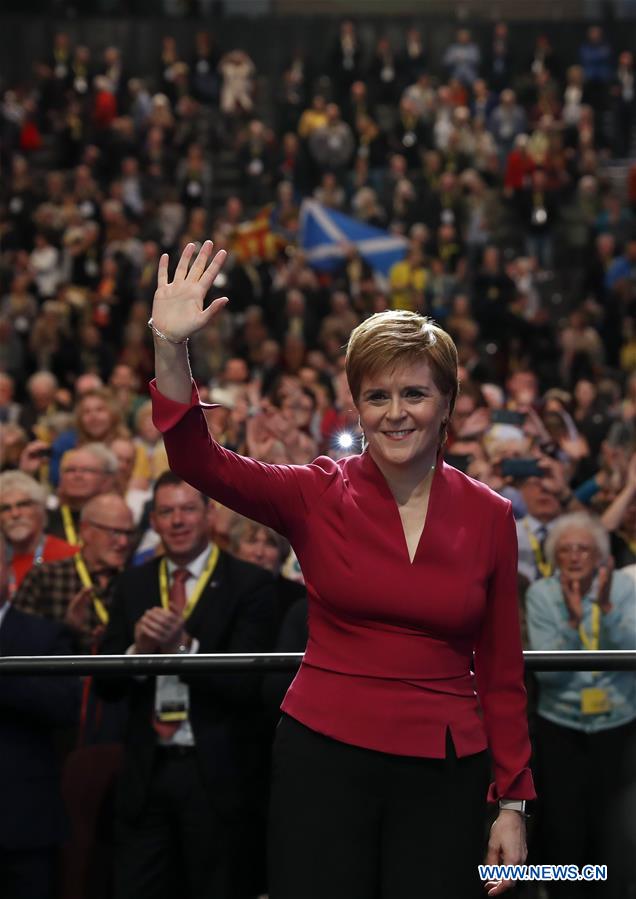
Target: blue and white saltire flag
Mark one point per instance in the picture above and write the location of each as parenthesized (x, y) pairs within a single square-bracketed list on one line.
[(324, 235)]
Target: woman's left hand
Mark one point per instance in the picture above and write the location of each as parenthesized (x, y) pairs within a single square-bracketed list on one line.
[(506, 846)]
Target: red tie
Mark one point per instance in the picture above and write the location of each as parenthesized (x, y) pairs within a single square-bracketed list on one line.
[(177, 601), (178, 591)]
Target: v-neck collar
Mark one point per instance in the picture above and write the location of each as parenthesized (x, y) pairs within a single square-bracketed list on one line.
[(372, 472)]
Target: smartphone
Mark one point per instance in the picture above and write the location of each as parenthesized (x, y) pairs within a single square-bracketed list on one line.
[(507, 417), (522, 468), (460, 461), (43, 453)]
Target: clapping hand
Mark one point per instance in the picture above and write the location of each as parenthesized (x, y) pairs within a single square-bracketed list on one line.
[(573, 596), (158, 630), (177, 309), (76, 614)]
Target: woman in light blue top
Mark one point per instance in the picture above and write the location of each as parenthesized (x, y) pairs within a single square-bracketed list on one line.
[(586, 727)]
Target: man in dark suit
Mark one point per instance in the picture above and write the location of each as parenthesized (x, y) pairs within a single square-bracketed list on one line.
[(32, 819), (189, 756)]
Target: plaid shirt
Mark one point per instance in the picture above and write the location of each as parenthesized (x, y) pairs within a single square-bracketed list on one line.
[(47, 591)]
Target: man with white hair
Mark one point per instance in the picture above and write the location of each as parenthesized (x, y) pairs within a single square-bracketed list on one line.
[(23, 525), (85, 472)]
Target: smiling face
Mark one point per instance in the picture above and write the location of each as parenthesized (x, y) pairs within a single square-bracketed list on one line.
[(401, 413), (183, 520)]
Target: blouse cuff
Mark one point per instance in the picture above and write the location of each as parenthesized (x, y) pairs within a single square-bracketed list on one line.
[(167, 413), (519, 787)]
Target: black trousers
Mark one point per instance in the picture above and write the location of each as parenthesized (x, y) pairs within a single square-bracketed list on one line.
[(352, 823), (179, 845), (586, 811), (27, 873)]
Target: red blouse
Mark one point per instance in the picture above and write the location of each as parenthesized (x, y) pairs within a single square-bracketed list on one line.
[(391, 643)]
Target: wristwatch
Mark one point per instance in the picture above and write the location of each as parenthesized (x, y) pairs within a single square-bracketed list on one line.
[(514, 805)]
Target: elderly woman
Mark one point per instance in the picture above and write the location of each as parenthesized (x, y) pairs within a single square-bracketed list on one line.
[(380, 767), (586, 726)]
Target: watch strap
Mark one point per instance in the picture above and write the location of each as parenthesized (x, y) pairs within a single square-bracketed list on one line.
[(515, 805)]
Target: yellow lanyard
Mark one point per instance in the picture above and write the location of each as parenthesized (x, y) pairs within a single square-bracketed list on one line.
[(213, 558), (628, 540), (69, 526), (85, 578), (592, 643), (544, 568)]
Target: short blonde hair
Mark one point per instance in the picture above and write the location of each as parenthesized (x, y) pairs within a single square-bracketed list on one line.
[(399, 337)]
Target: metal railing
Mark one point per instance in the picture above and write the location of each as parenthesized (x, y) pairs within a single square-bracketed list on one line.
[(263, 662)]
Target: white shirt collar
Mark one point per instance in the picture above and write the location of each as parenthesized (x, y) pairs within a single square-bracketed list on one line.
[(196, 566), (534, 524)]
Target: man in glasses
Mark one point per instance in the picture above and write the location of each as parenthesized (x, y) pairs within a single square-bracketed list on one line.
[(85, 472), (23, 525), (77, 590)]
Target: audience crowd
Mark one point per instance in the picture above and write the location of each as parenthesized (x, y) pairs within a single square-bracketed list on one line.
[(513, 181)]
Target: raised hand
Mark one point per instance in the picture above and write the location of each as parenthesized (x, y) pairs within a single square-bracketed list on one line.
[(177, 309)]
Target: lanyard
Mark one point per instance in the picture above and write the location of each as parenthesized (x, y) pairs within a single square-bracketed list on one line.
[(544, 568), (631, 543), (85, 578), (69, 527), (592, 642), (210, 565)]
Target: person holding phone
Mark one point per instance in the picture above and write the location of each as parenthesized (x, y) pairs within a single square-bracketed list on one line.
[(380, 763)]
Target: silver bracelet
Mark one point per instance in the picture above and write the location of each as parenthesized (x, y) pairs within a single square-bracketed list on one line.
[(162, 336)]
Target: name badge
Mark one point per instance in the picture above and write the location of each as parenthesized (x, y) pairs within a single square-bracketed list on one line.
[(595, 701), (172, 699)]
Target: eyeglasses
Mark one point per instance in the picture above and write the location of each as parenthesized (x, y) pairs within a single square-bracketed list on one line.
[(22, 505), (82, 469), (568, 549), (128, 533)]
